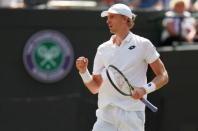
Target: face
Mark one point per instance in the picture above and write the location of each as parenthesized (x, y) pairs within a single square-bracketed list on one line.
[(115, 22), (180, 7)]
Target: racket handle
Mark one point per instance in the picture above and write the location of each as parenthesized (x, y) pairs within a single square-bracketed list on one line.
[(149, 105)]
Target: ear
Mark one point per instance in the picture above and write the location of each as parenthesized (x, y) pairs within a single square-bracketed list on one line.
[(126, 18)]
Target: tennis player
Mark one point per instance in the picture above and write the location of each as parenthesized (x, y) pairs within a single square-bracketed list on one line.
[(131, 54)]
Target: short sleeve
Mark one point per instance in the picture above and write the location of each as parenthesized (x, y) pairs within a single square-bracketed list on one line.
[(98, 65), (168, 18), (151, 53)]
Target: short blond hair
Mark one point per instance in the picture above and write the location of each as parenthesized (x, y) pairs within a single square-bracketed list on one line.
[(174, 2), (131, 22)]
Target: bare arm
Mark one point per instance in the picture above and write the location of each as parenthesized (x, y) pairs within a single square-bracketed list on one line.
[(171, 29), (95, 81), (94, 85), (191, 33), (160, 79), (190, 36)]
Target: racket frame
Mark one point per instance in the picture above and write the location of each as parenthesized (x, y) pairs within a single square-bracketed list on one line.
[(145, 101)]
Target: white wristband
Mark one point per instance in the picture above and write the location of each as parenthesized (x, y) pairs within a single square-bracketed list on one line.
[(150, 87), (86, 77)]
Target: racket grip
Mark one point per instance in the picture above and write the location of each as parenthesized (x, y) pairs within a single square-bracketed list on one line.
[(149, 105)]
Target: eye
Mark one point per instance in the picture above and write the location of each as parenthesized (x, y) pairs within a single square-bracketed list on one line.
[(111, 16)]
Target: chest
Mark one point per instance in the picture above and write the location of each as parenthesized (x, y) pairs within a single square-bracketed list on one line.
[(123, 56)]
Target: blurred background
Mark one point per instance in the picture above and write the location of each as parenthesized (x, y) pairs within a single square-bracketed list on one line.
[(41, 93)]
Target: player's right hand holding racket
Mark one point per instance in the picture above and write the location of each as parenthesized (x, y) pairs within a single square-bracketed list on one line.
[(122, 85)]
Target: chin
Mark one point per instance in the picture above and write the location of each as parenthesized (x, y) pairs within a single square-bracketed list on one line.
[(112, 31)]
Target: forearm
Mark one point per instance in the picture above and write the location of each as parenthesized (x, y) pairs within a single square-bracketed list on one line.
[(171, 29), (92, 82), (161, 80), (190, 36), (158, 82), (93, 87)]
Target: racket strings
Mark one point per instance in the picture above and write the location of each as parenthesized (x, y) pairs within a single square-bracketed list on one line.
[(120, 81), (122, 85)]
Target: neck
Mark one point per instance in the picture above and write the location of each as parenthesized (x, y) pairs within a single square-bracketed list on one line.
[(119, 37)]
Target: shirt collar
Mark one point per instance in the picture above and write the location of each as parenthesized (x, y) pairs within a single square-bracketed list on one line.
[(126, 40)]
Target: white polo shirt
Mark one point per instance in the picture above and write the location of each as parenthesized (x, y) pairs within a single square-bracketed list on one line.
[(132, 58)]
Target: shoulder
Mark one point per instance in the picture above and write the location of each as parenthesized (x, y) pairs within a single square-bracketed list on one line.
[(140, 39), (104, 45), (142, 42), (187, 14), (170, 14)]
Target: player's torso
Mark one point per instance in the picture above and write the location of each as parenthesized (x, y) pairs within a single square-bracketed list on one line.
[(129, 57)]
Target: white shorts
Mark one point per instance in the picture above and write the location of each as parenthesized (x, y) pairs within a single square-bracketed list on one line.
[(113, 118)]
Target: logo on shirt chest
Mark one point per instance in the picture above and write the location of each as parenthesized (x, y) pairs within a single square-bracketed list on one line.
[(131, 47)]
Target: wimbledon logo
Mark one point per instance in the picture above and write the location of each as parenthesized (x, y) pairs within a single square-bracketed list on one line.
[(48, 56)]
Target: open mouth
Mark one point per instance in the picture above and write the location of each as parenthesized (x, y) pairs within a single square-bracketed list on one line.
[(110, 26)]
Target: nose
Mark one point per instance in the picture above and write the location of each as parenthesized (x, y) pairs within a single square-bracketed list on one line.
[(107, 21)]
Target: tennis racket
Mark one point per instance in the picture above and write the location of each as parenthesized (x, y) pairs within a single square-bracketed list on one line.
[(122, 85)]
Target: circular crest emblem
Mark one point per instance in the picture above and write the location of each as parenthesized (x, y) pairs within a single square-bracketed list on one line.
[(48, 56)]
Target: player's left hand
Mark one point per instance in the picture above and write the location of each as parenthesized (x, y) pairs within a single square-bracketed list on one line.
[(138, 93)]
